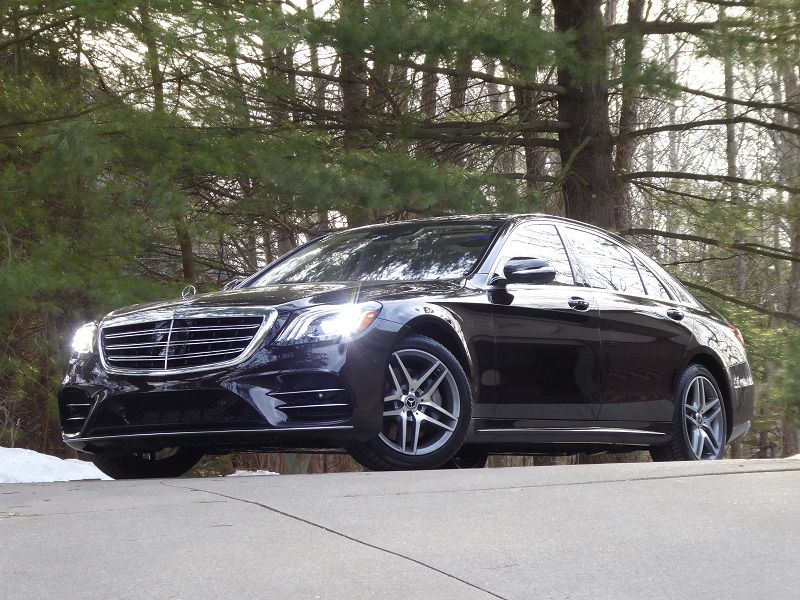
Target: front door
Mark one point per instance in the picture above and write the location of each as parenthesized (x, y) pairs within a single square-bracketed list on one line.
[(547, 337)]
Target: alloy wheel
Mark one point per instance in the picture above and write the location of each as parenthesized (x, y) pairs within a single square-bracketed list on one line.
[(703, 419), (422, 403)]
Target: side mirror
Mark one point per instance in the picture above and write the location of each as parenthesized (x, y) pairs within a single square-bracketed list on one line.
[(233, 283), (529, 270)]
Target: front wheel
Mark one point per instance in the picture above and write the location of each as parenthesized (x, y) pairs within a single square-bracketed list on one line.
[(427, 406), (165, 463), (699, 428)]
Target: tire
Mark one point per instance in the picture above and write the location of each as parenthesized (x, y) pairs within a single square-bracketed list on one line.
[(435, 417), (699, 426), (167, 463), (467, 459)]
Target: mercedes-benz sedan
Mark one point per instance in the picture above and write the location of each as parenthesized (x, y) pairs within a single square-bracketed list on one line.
[(416, 345)]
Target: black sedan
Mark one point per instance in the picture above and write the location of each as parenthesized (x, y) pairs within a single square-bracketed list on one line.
[(416, 345)]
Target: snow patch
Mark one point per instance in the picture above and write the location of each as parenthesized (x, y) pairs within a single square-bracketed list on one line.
[(18, 465), (251, 473), (796, 456)]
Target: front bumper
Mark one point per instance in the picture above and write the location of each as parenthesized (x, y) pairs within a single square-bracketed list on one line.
[(322, 395)]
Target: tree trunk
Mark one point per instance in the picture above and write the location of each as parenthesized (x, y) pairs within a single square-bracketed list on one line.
[(152, 57), (379, 87), (731, 156), (354, 100), (525, 104), (459, 84), (674, 144), (429, 89), (587, 180), (159, 107), (286, 241), (354, 81), (505, 157), (17, 33), (320, 84), (790, 163), (610, 12), (789, 157), (628, 113), (790, 439)]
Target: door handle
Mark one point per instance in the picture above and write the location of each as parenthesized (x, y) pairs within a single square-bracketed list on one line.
[(578, 303), (675, 314)]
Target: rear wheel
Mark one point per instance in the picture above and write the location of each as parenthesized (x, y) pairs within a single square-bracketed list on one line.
[(699, 428), (165, 463), (427, 406)]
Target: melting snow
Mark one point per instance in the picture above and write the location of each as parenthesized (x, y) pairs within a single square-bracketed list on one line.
[(251, 473), (18, 465)]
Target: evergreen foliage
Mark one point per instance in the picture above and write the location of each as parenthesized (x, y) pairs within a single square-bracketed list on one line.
[(146, 143)]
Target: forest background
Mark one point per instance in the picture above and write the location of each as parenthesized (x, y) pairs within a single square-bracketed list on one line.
[(146, 144)]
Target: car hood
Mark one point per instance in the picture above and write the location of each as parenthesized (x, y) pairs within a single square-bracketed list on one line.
[(292, 296)]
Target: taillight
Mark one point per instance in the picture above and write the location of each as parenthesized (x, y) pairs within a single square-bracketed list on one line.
[(737, 333)]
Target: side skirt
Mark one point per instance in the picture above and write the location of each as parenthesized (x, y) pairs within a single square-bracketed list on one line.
[(562, 435)]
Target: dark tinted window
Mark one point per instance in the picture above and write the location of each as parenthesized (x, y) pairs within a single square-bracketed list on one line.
[(404, 252), (608, 265), (652, 284), (539, 241)]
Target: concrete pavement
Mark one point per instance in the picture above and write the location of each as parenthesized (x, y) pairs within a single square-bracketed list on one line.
[(637, 530)]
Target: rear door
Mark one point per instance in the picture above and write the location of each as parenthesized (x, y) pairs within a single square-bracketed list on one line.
[(643, 337), (547, 336)]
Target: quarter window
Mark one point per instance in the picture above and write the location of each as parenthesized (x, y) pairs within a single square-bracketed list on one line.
[(540, 241), (652, 284), (607, 264), (678, 291)]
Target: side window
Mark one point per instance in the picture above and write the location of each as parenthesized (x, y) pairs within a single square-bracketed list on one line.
[(540, 241), (652, 284), (678, 291), (607, 264)]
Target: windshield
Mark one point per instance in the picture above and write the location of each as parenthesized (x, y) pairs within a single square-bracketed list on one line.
[(395, 253)]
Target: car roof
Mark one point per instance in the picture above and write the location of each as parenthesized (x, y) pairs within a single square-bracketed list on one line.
[(493, 219)]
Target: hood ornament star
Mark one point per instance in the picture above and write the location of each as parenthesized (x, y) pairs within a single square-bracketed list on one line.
[(188, 292)]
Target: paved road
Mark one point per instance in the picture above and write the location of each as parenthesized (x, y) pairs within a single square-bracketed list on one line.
[(726, 530)]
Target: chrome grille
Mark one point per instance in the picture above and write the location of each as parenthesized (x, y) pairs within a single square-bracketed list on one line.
[(182, 342)]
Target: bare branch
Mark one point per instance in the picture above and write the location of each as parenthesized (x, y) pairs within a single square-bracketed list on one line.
[(739, 302), (713, 178), (712, 123), (541, 87), (661, 27), (784, 106), (760, 249)]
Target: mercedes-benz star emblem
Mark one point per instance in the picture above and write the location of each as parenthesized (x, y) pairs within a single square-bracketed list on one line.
[(188, 292)]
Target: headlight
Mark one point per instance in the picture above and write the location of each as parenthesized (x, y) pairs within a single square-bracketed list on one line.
[(83, 340), (324, 323)]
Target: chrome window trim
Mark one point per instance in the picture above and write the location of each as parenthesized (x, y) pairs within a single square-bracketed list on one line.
[(269, 316)]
